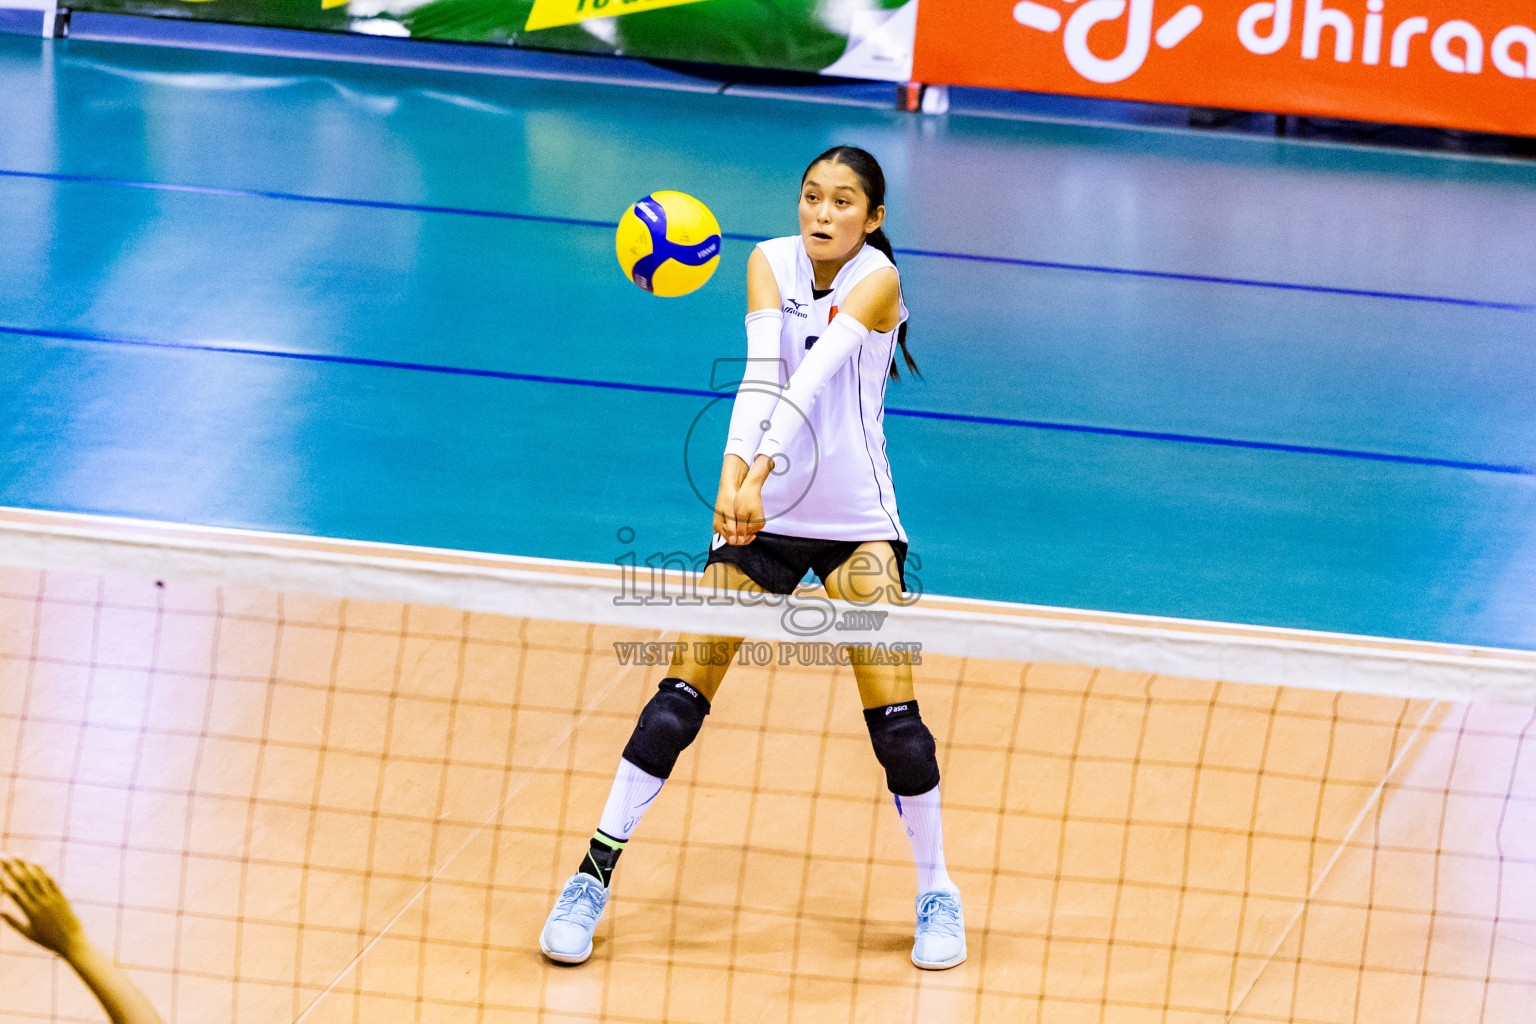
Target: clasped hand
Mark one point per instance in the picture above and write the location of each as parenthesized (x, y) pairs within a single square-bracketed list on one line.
[(739, 502)]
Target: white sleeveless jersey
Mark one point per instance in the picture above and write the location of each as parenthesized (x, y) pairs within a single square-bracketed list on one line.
[(838, 485)]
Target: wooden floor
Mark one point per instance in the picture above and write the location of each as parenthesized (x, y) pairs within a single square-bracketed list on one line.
[(282, 808)]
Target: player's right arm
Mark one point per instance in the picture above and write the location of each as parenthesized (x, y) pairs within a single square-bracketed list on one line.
[(755, 398), (762, 289)]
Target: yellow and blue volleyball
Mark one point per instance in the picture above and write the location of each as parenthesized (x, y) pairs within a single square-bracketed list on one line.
[(668, 243)]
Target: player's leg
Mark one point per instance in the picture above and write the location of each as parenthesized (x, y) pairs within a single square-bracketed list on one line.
[(668, 724), (906, 750)]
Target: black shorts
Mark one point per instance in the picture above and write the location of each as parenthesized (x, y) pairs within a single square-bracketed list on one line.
[(778, 563)]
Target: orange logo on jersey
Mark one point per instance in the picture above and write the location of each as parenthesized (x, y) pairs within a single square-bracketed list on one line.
[(832, 315)]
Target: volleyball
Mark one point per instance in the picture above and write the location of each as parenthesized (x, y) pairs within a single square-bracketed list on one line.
[(668, 243)]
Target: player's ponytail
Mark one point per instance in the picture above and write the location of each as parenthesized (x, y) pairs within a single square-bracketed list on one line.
[(867, 168)]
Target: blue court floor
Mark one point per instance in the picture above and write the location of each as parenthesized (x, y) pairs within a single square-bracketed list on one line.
[(1164, 372)]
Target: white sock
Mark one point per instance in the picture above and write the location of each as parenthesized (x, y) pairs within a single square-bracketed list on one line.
[(925, 831), (632, 792)]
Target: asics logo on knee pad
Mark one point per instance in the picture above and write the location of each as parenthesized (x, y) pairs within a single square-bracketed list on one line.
[(904, 747), (668, 724)]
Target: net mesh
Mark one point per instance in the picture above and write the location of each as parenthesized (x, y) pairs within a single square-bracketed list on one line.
[(279, 807)]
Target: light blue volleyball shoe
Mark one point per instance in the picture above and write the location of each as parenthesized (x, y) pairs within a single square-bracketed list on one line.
[(940, 940), (567, 934)]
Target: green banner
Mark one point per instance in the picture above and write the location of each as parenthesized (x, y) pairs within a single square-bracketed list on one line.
[(852, 38)]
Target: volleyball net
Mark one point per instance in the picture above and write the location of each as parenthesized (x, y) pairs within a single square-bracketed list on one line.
[(276, 793)]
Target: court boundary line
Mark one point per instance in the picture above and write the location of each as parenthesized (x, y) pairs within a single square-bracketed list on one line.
[(587, 592), (1259, 137), (974, 418), (1423, 731), (460, 211)]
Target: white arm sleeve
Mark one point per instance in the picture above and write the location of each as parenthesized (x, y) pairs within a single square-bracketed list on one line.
[(758, 391), (836, 346)]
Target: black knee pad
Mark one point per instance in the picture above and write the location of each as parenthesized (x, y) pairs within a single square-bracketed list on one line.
[(904, 747), (668, 723)]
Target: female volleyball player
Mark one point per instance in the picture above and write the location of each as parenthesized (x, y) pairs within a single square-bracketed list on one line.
[(825, 305)]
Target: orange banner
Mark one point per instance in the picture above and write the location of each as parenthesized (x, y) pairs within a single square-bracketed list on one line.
[(1452, 63)]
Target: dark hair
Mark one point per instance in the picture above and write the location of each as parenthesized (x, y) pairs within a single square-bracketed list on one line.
[(867, 169)]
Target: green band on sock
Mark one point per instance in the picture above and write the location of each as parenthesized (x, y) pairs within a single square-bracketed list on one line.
[(602, 855), (609, 841)]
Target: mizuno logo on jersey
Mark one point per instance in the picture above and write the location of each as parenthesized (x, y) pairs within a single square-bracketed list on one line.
[(796, 309)]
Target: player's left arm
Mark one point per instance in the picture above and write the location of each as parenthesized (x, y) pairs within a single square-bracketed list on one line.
[(875, 301)]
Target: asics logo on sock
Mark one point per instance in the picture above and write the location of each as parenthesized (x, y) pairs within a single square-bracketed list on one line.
[(895, 708), (690, 691)]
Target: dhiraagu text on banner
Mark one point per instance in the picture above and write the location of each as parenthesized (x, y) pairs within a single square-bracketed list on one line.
[(1451, 63)]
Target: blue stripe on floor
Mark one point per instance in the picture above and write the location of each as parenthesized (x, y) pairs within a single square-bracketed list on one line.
[(535, 378), (379, 204)]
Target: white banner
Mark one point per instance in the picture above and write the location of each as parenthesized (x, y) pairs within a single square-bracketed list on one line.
[(49, 9)]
